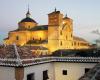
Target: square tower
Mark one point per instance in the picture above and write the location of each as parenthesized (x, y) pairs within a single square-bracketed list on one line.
[(59, 32), (54, 22)]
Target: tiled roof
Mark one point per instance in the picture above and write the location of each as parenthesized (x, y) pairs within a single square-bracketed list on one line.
[(41, 27), (79, 39), (77, 53), (22, 56), (15, 30), (9, 52), (27, 19), (98, 40), (13, 55), (93, 74)]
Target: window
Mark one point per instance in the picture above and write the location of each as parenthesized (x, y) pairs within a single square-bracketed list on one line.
[(17, 37), (61, 43), (64, 72), (87, 69), (40, 38), (72, 44), (75, 43), (71, 35), (29, 27), (66, 37), (60, 32), (78, 43), (30, 76), (45, 75)]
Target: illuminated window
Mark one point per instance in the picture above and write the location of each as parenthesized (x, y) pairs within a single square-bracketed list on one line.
[(64, 72), (71, 35), (29, 27), (74, 43), (30, 76), (78, 43), (45, 75), (61, 43), (61, 32), (66, 37), (40, 39), (17, 37)]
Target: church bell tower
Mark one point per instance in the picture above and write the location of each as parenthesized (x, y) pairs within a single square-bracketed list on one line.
[(54, 23), (60, 31)]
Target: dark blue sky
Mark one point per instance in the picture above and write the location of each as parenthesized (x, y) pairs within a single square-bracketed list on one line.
[(85, 14)]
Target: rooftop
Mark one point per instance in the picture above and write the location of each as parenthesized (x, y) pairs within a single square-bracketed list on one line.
[(22, 56), (79, 39), (28, 19), (41, 27)]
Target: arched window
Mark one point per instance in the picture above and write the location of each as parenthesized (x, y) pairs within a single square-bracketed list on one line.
[(61, 43), (61, 32), (40, 38), (71, 35), (29, 27), (33, 38), (66, 37), (17, 37)]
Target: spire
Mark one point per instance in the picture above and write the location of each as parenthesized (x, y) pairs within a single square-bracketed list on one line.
[(66, 15), (28, 12), (55, 9), (28, 9)]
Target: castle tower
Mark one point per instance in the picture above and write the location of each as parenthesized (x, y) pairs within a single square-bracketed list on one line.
[(60, 31)]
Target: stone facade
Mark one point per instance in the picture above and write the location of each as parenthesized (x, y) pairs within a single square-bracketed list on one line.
[(58, 34)]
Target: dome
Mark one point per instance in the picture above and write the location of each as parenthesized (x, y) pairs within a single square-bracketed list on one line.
[(28, 19)]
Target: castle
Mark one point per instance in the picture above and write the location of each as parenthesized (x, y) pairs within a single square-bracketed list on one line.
[(58, 34)]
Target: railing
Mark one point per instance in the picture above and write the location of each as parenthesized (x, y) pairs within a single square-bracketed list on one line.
[(32, 61)]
